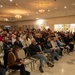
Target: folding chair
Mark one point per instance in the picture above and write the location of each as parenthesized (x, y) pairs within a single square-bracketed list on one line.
[(21, 54)]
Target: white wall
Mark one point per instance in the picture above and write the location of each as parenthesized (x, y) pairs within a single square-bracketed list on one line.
[(6, 23), (3, 24), (49, 22)]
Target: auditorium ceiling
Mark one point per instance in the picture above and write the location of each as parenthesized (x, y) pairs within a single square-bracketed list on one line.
[(16, 10)]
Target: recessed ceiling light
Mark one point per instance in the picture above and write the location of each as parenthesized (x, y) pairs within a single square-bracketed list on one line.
[(55, 8), (11, 0), (36, 12), (48, 10), (65, 7), (73, 4), (1, 5), (27, 14), (16, 4)]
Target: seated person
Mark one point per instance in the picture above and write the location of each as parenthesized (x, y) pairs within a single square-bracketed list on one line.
[(7, 46), (2, 69), (35, 53), (15, 63), (55, 46), (48, 49), (62, 44), (18, 42), (59, 45)]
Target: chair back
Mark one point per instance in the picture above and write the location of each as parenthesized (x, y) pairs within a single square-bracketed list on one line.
[(21, 54)]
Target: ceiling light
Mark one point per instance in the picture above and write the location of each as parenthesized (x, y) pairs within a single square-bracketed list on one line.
[(1, 5), (16, 4), (11, 0), (36, 12), (6, 19), (73, 4), (27, 14), (18, 16), (48, 10), (55, 8), (41, 11), (65, 7)]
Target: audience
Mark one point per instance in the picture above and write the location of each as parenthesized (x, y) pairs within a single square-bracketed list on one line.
[(33, 39)]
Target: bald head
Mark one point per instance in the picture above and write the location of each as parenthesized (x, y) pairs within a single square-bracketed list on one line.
[(33, 41)]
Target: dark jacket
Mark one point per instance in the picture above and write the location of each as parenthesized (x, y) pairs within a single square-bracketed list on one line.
[(66, 40), (18, 43), (7, 46), (34, 49), (47, 45)]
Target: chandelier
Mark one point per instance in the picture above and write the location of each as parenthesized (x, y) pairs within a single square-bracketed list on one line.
[(18, 16), (41, 11)]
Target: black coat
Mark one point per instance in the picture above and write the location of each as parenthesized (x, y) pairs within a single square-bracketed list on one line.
[(7, 46), (47, 45), (34, 49), (18, 43)]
